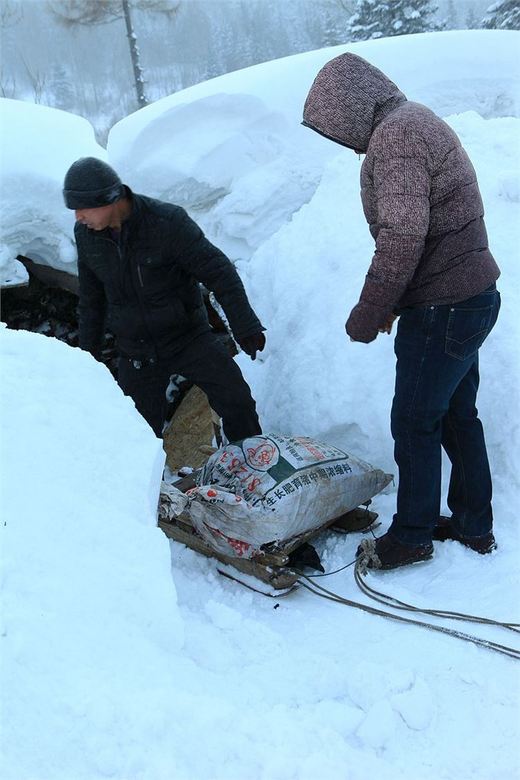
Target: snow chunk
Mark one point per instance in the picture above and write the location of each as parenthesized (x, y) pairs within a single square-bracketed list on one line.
[(371, 683), (415, 706), (379, 726), (12, 272)]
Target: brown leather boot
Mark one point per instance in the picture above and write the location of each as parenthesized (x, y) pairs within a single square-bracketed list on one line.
[(389, 553), (445, 530)]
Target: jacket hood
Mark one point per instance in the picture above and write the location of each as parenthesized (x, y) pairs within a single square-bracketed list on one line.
[(348, 99)]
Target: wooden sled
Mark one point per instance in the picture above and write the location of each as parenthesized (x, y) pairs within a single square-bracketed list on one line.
[(268, 572)]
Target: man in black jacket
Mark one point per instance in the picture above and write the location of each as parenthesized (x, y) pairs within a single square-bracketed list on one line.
[(140, 262)]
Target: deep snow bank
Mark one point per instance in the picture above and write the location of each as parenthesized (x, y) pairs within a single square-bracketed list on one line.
[(38, 145), (90, 620), (232, 149)]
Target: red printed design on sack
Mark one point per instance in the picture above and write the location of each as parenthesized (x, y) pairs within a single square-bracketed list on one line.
[(262, 456)]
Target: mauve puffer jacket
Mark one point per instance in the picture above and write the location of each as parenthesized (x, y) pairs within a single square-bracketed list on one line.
[(419, 192)]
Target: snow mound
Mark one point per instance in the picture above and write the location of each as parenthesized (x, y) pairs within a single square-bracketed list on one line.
[(232, 151), (38, 146), (89, 607)]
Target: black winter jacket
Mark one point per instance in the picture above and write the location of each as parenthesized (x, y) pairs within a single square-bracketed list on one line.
[(144, 288)]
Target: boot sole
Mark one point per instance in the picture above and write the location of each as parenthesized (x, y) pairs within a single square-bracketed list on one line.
[(388, 567), (404, 563), (466, 545)]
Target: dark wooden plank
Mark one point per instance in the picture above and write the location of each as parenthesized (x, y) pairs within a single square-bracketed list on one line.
[(276, 577), (50, 276)]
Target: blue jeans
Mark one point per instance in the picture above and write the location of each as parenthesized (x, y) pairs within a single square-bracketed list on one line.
[(436, 387)]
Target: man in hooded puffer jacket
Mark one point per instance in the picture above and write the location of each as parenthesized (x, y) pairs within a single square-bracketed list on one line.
[(433, 269)]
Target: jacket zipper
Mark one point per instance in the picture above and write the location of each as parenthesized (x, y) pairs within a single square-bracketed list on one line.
[(121, 274), (120, 256)]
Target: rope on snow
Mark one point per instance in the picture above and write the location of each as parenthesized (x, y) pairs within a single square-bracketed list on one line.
[(361, 565)]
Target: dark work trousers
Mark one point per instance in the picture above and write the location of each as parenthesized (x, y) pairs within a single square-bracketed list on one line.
[(436, 386), (206, 362)]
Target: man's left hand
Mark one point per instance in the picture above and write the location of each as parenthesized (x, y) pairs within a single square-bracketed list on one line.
[(252, 344)]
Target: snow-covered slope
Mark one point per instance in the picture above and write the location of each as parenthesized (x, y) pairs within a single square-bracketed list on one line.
[(111, 670), (89, 613)]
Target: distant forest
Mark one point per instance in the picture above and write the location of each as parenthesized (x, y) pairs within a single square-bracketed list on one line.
[(54, 53)]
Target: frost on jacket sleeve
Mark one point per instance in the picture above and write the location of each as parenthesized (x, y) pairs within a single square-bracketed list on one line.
[(92, 306), (401, 181), (209, 265)]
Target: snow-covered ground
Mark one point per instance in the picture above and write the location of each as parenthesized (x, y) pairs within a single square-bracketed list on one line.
[(110, 668)]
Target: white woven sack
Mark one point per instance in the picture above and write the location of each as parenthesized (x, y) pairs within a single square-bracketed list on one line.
[(272, 488)]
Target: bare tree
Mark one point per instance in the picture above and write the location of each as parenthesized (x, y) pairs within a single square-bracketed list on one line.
[(93, 12), (472, 22), (10, 14), (7, 85), (451, 16), (37, 79)]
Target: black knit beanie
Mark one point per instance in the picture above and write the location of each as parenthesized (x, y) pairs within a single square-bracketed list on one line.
[(90, 183)]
